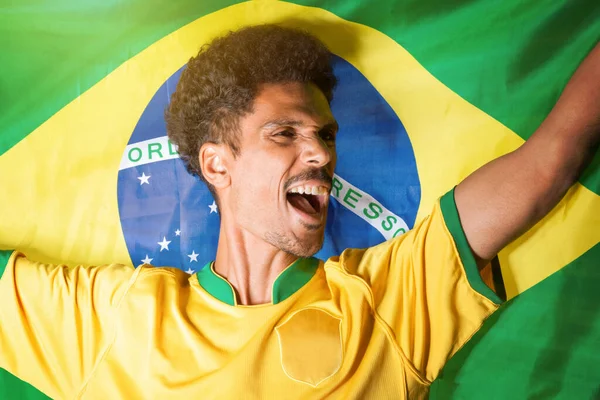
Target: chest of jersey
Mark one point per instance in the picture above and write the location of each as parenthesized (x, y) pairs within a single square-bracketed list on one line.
[(321, 342)]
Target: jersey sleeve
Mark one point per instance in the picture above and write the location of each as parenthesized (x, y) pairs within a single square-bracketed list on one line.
[(56, 321), (426, 288)]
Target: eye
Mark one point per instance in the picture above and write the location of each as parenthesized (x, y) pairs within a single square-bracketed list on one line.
[(286, 134), (328, 137)]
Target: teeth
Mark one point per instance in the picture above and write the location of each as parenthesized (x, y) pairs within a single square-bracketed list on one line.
[(314, 190)]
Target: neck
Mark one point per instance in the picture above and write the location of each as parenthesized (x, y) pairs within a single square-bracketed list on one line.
[(249, 264)]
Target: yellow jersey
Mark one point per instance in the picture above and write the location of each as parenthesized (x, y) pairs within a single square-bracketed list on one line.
[(373, 323)]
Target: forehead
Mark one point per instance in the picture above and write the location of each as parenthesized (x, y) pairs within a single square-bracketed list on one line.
[(303, 103)]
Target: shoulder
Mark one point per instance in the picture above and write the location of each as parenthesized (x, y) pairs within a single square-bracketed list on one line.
[(155, 290), (372, 264), (149, 277), (387, 264)]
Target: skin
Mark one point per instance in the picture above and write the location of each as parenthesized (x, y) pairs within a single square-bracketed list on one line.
[(501, 200), (261, 234), (289, 136)]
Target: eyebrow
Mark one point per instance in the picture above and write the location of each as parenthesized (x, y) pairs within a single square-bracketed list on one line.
[(330, 126)]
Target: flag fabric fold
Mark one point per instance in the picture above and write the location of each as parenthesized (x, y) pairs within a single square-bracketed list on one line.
[(428, 92)]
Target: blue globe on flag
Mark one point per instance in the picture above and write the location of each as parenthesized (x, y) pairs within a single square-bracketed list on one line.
[(169, 218)]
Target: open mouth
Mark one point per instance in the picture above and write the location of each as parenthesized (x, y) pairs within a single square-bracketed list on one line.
[(310, 200)]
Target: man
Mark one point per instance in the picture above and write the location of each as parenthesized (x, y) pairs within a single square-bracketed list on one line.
[(251, 117)]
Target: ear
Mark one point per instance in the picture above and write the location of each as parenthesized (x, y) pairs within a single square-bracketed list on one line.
[(213, 161)]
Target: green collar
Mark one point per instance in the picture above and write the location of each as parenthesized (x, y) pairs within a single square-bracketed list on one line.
[(287, 283)]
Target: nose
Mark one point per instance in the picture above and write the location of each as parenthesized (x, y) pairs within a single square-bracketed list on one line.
[(316, 153)]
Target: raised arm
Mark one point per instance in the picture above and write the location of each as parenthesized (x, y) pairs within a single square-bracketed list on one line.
[(505, 197), (56, 322)]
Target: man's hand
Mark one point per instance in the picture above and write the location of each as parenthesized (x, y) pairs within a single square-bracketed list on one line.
[(505, 197)]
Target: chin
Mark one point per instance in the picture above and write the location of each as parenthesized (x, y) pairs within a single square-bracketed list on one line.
[(307, 250), (299, 247), (311, 243)]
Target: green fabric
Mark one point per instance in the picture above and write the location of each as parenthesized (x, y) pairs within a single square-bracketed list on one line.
[(517, 48), (498, 55), (293, 278), (542, 344), (12, 387), (53, 51), (287, 283), (450, 212), (4, 256), (215, 285)]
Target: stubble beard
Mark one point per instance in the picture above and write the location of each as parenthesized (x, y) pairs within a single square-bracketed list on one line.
[(296, 247), (292, 245)]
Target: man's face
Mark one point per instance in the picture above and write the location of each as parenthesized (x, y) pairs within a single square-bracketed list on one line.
[(280, 181)]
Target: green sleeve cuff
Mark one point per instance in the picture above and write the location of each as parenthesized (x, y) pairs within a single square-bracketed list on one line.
[(4, 257), (452, 220)]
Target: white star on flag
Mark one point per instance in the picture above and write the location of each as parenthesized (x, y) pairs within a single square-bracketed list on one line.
[(189, 271), (193, 256), (213, 207), (144, 179), (147, 260), (164, 245), (177, 232)]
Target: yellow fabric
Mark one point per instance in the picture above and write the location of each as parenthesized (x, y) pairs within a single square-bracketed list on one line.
[(80, 222), (57, 322), (310, 343), (391, 317)]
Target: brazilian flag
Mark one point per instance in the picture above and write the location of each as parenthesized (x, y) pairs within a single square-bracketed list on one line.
[(429, 91)]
